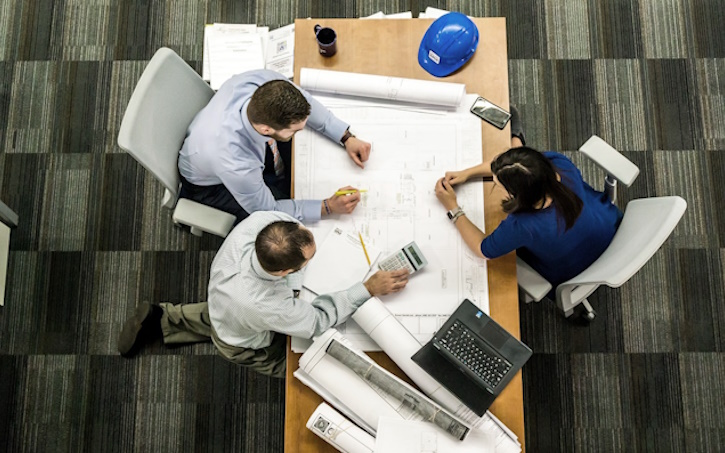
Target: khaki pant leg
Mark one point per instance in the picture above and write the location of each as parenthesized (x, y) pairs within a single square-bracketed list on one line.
[(270, 361), (188, 323)]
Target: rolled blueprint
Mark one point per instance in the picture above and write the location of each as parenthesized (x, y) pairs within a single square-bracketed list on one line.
[(350, 394), (373, 374), (400, 345), (426, 92), (339, 432)]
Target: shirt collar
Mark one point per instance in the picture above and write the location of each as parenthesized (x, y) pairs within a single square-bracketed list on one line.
[(259, 270), (251, 131)]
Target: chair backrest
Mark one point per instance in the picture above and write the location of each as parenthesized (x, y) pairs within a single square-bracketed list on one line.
[(167, 97), (647, 223)]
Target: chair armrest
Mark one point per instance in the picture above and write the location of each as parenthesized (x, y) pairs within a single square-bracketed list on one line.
[(533, 284), (202, 217), (8, 216), (610, 160), (4, 255)]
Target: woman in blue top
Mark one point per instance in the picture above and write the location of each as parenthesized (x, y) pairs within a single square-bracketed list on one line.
[(556, 222)]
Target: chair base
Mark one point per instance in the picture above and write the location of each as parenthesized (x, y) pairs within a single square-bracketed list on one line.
[(586, 312)]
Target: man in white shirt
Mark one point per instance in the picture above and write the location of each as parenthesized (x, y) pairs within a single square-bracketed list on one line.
[(253, 303), (236, 155)]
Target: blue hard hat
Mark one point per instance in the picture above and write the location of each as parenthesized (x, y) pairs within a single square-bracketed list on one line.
[(448, 44)]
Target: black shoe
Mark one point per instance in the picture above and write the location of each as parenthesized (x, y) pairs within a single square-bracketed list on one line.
[(144, 325)]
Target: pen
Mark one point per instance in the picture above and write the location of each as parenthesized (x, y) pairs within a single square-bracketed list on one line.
[(364, 249), (348, 192)]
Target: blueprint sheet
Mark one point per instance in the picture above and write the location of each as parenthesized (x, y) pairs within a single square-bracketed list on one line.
[(411, 150)]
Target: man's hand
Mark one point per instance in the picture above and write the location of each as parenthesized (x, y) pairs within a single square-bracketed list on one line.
[(344, 204), (382, 282), (358, 150), (446, 195)]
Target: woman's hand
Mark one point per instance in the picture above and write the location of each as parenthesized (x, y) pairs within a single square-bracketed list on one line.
[(456, 177), (446, 195)]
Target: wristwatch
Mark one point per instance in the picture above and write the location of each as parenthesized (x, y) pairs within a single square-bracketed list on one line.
[(346, 137), (454, 214)]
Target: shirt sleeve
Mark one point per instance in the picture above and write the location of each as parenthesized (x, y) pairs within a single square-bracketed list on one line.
[(323, 120), (246, 184), (509, 236), (304, 319)]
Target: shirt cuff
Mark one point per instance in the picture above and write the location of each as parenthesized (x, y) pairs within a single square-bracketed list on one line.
[(358, 294), (312, 210), (336, 129)]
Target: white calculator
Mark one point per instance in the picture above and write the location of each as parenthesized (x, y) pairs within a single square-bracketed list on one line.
[(409, 257)]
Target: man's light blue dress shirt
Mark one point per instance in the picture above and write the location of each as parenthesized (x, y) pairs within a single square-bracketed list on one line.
[(222, 147), (247, 304)]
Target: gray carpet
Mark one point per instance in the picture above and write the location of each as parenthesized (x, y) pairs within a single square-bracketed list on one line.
[(649, 375)]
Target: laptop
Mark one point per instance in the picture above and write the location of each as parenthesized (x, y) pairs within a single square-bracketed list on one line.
[(473, 357)]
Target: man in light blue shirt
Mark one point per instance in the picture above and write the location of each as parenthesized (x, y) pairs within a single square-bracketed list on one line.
[(253, 298), (236, 155)]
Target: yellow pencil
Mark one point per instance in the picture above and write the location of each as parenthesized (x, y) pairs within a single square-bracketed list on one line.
[(364, 249), (349, 192)]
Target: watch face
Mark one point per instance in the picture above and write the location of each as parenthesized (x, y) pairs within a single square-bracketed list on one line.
[(450, 215)]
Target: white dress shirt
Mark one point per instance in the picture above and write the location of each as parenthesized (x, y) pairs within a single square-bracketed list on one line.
[(222, 147), (247, 304)]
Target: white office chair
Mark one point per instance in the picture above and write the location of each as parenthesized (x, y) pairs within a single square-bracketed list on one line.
[(8, 220), (167, 97), (647, 223)]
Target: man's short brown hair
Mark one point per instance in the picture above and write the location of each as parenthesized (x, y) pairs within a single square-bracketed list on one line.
[(278, 104), (279, 246)]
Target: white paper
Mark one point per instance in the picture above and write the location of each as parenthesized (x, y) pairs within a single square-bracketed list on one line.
[(435, 13), (280, 50), (339, 432), (211, 32), (305, 378), (230, 49), (406, 436), (441, 94), (338, 263), (232, 53), (378, 15), (400, 345), (401, 15), (411, 151), (366, 401)]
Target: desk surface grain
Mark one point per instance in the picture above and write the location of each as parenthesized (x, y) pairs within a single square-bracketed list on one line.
[(390, 47)]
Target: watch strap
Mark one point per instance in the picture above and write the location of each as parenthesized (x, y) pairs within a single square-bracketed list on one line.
[(454, 213), (346, 137)]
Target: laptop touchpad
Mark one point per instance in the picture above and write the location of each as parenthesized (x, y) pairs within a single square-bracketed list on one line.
[(494, 334)]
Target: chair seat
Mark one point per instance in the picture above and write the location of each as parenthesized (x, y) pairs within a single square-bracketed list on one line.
[(202, 217)]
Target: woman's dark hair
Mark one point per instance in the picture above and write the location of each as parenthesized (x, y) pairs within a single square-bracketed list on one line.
[(529, 177), (279, 246), (278, 104)]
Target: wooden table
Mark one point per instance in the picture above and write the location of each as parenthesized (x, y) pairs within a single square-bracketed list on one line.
[(390, 47)]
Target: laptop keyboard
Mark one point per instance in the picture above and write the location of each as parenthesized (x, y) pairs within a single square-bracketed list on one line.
[(474, 353)]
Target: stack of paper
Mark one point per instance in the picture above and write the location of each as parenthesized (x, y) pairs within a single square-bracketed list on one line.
[(382, 15), (433, 13), (230, 49)]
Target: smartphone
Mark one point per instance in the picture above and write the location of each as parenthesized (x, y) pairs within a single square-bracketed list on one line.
[(490, 112)]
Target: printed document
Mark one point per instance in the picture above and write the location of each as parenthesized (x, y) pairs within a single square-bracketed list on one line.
[(411, 150)]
